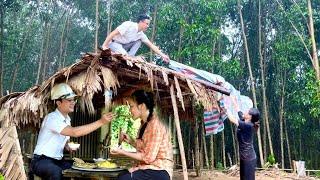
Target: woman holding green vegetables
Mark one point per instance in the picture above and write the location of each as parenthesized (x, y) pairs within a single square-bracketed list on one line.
[(154, 149)]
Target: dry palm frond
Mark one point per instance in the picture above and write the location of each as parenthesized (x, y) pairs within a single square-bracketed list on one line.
[(129, 62), (192, 88), (165, 77), (110, 80), (7, 113), (92, 85), (151, 78), (10, 164), (203, 96), (7, 146), (69, 70), (140, 67), (149, 73), (179, 94), (3, 115), (15, 175), (78, 82)]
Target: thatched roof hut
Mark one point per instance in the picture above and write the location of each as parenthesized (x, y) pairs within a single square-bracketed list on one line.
[(90, 78)]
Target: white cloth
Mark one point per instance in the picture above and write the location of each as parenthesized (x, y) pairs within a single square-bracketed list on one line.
[(301, 170), (50, 142), (129, 33)]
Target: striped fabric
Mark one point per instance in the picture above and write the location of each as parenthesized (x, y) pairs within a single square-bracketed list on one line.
[(213, 120)]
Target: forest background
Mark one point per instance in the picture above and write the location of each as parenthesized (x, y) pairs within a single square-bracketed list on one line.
[(266, 48)]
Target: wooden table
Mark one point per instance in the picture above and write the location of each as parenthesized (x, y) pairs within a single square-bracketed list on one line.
[(87, 174)]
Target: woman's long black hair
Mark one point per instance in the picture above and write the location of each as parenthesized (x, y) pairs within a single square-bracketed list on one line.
[(143, 97), (255, 117)]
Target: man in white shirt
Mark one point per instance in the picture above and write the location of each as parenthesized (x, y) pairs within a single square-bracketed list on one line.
[(126, 39), (55, 132)]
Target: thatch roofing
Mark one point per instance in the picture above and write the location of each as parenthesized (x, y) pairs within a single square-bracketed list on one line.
[(90, 78), (94, 74)]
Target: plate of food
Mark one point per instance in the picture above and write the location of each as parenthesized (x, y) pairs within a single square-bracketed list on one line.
[(105, 165)]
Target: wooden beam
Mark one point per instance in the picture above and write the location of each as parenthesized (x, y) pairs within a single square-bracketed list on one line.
[(177, 123)]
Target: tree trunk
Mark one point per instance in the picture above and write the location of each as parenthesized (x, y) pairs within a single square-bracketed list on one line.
[(189, 146), (212, 54), (201, 156), (205, 146), (40, 68), (315, 61), (109, 25), (196, 144), (62, 42), (287, 141), (223, 149), (251, 79), (211, 152), (263, 87), (18, 59), (153, 35), (66, 43), (97, 27), (1, 48), (300, 144), (234, 143), (46, 53), (281, 113)]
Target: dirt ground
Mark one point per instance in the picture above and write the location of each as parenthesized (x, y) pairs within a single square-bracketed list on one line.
[(219, 175)]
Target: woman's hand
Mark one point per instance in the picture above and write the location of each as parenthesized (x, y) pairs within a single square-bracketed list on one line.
[(124, 137), (117, 151), (106, 118)]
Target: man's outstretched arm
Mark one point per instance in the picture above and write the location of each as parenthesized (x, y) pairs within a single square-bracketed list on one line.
[(109, 38), (157, 50)]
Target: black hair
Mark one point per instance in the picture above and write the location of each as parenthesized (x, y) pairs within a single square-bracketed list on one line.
[(255, 117), (142, 17), (143, 97)]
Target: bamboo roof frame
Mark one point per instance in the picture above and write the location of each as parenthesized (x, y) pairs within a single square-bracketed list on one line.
[(95, 73)]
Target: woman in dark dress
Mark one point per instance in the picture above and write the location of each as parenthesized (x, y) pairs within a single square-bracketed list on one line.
[(247, 126)]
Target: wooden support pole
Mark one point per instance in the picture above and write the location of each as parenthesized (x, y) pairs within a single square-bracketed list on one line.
[(197, 145), (177, 123)]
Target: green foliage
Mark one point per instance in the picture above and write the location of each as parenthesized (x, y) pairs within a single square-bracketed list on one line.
[(1, 177), (124, 121), (317, 174), (219, 166), (271, 159)]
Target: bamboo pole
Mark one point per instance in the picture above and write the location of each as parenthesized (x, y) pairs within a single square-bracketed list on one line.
[(211, 153), (315, 61), (204, 145), (253, 89), (177, 122), (97, 27), (196, 145)]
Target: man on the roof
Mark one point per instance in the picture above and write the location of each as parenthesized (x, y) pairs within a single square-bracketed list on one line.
[(126, 38)]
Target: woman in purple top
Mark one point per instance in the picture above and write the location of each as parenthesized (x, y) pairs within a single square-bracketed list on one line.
[(247, 126)]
